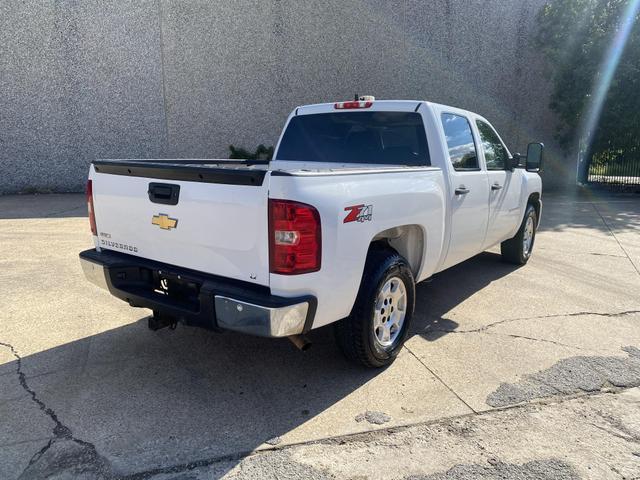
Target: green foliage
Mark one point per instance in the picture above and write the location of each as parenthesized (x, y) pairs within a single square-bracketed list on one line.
[(575, 36), (261, 153)]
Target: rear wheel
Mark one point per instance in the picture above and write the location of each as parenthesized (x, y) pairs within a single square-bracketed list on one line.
[(376, 329), (518, 249)]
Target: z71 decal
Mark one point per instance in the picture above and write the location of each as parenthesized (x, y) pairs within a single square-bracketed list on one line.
[(358, 213)]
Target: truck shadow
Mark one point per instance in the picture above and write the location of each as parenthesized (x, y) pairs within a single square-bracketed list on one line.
[(439, 295), (47, 205), (167, 398), (148, 400)]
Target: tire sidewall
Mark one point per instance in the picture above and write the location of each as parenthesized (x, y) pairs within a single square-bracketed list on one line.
[(530, 212), (399, 269)]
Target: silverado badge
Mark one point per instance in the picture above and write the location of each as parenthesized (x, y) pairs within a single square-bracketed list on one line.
[(164, 221)]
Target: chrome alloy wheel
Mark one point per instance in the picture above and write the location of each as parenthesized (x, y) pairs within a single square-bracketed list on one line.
[(390, 311), (527, 238)]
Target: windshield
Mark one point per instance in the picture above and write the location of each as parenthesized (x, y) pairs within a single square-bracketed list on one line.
[(396, 138)]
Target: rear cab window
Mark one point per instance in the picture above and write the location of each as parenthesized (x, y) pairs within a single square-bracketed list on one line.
[(381, 138), (460, 142)]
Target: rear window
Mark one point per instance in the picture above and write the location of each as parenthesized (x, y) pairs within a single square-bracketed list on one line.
[(396, 138)]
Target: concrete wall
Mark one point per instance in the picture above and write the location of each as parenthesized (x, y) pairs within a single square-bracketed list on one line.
[(90, 79)]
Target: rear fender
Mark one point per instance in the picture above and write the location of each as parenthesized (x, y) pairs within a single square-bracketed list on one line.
[(405, 209)]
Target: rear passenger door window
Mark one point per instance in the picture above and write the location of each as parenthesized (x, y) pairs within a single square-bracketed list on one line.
[(462, 148), (495, 154)]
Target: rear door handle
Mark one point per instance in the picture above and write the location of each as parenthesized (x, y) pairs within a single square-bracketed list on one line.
[(462, 190), (496, 186)]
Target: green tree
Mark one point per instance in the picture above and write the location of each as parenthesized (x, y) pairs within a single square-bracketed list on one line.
[(261, 153), (576, 36)]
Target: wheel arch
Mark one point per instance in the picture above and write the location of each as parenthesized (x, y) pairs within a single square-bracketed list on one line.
[(408, 240), (534, 199)]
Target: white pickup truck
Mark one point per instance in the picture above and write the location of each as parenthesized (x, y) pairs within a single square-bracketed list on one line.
[(362, 200)]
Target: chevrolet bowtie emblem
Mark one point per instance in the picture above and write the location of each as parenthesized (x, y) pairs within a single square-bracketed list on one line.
[(164, 221)]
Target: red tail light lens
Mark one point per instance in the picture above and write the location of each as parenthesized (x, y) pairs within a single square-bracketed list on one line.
[(92, 215), (356, 104), (294, 238)]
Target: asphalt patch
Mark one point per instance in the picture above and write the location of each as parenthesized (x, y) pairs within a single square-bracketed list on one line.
[(551, 469), (274, 441), (67, 458), (570, 376), (276, 465), (375, 418)]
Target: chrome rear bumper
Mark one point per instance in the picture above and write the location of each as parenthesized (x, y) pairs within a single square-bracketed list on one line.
[(204, 300), (259, 320)]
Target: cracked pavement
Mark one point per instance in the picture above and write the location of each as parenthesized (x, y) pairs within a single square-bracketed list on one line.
[(509, 372)]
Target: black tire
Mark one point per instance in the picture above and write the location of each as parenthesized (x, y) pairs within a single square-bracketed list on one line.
[(513, 250), (355, 335)]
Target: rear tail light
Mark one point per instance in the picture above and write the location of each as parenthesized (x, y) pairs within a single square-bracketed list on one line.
[(92, 215), (355, 104), (294, 238)]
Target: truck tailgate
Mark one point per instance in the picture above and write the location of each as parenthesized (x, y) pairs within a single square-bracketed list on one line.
[(218, 225)]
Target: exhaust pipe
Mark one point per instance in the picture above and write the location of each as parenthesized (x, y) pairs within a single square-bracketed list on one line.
[(300, 341)]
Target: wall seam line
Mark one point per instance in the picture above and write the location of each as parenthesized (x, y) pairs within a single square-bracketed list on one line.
[(163, 80)]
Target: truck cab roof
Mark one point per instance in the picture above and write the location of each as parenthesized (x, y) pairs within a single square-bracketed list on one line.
[(380, 105)]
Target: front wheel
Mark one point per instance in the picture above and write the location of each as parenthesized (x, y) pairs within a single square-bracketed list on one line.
[(518, 249), (376, 329)]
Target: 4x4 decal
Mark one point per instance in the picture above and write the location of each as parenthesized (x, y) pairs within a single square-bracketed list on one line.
[(358, 213)]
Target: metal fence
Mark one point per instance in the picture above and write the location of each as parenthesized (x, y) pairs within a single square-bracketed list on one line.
[(616, 169)]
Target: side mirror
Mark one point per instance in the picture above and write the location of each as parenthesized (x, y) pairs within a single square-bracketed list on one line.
[(534, 157)]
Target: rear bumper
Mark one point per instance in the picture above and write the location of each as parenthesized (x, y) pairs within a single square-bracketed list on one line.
[(197, 298)]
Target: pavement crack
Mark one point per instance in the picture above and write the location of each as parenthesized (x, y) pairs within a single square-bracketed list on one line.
[(59, 430), (543, 340), (183, 467), (40, 452), (614, 433), (440, 380), (635, 267), (607, 255), (484, 328), (71, 454), (557, 315), (619, 429)]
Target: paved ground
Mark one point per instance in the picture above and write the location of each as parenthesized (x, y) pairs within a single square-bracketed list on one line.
[(509, 373)]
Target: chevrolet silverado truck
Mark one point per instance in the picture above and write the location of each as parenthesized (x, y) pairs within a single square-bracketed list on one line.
[(361, 200)]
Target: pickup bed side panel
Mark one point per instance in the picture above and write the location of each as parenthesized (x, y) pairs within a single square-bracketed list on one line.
[(396, 199)]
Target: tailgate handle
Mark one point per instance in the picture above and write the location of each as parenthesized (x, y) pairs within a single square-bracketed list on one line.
[(164, 193)]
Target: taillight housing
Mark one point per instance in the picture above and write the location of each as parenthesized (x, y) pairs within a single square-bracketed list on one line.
[(295, 238), (92, 214)]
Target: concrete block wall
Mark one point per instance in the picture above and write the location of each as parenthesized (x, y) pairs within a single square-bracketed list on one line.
[(86, 79)]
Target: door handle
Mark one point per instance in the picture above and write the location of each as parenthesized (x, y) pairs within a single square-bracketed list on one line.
[(496, 186), (164, 193), (462, 190)]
